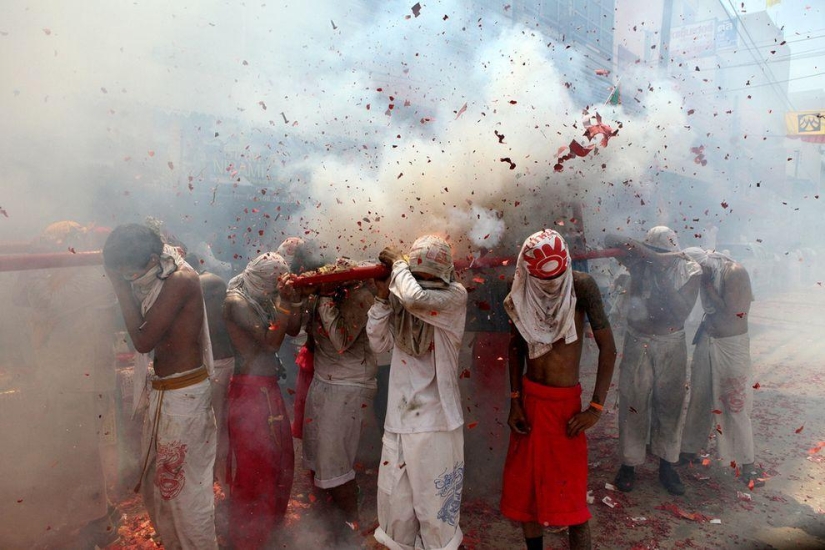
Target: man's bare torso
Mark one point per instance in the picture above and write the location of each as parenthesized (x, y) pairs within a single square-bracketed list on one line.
[(560, 366), (247, 331), (180, 348)]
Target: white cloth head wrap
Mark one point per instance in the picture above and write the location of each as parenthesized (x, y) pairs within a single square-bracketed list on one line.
[(543, 310), (259, 280), (432, 255), (717, 263), (288, 248), (662, 239)]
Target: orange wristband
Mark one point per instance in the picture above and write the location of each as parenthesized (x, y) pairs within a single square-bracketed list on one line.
[(515, 394), (596, 406)]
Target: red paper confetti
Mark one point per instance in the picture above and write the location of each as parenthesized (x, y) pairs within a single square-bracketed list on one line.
[(472, 425), (461, 111), (799, 429)]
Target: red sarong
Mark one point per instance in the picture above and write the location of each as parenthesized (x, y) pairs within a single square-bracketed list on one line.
[(545, 474), (306, 370), (262, 459)]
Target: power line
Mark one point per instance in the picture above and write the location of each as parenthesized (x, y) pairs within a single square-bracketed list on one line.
[(765, 69), (725, 90)]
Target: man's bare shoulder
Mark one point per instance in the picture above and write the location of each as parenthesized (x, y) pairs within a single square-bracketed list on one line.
[(212, 284), (585, 285), (182, 282)]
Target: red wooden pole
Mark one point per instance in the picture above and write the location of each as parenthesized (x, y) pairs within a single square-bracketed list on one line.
[(378, 271), (25, 262)]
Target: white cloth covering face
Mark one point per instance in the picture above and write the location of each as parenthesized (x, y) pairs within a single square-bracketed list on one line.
[(543, 310), (146, 289)]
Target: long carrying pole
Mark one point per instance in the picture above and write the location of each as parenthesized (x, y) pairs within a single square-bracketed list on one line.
[(379, 271), (26, 262)]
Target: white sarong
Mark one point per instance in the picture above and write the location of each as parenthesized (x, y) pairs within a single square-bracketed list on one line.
[(721, 396), (179, 449), (224, 368)]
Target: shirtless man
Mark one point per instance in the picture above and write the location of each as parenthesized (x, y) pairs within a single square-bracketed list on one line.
[(545, 474), (162, 305), (214, 293), (260, 437), (720, 377), (663, 288)]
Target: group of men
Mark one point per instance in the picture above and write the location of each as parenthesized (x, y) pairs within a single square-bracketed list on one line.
[(418, 314)]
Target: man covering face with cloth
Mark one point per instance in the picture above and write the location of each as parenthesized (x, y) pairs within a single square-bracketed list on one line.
[(545, 475), (162, 304), (419, 314)]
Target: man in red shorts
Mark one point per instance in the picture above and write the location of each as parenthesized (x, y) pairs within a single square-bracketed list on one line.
[(545, 474)]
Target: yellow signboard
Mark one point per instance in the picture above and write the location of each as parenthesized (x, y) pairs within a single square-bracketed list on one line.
[(805, 123)]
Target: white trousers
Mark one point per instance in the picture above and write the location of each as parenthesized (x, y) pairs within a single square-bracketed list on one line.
[(420, 480), (652, 377)]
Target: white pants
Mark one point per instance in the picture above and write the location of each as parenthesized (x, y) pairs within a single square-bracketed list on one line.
[(224, 368), (177, 483), (721, 381), (332, 430), (652, 378), (420, 480)]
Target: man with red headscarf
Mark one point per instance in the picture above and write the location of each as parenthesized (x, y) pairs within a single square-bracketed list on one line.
[(260, 441), (419, 313), (545, 474)]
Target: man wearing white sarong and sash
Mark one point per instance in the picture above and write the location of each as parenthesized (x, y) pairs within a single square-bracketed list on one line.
[(162, 304), (721, 388), (662, 292), (419, 314)]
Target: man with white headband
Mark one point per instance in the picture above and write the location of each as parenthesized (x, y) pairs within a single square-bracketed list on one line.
[(721, 388), (419, 314), (545, 474), (652, 374), (260, 438), (162, 304)]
